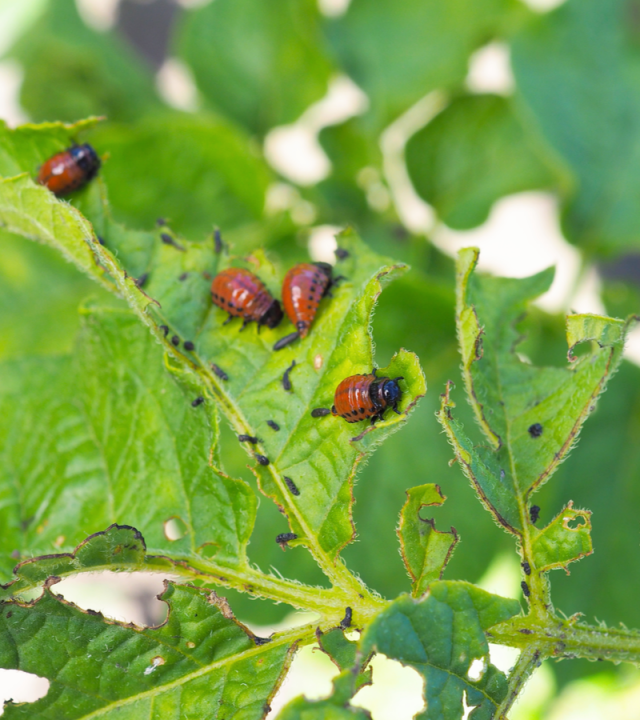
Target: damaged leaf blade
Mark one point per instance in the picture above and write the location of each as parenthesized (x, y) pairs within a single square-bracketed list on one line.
[(425, 550), (200, 661)]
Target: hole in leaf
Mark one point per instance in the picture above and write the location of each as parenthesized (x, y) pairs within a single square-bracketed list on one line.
[(125, 597), (397, 692), (22, 686), (575, 522), (466, 708), (477, 669), (155, 662), (175, 528)]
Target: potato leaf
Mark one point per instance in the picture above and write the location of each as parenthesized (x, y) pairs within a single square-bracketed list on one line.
[(201, 661)]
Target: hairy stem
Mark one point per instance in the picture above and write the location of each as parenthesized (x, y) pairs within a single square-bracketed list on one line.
[(559, 638), (528, 661)]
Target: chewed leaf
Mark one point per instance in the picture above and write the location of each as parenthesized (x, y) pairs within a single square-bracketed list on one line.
[(440, 636), (201, 657), (565, 539), (425, 550), (531, 416), (487, 471), (335, 707)]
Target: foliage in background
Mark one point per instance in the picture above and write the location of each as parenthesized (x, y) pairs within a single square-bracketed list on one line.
[(566, 130)]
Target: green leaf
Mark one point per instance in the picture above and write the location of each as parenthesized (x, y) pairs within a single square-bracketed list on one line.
[(201, 661), (108, 436), (119, 546), (398, 54), (562, 542), (586, 105), (474, 152), (261, 65), (72, 71), (196, 170), (531, 416), (440, 636), (39, 298), (425, 550)]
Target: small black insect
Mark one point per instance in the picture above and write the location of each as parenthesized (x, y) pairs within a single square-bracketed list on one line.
[(248, 438), (142, 280), (346, 620), (286, 382), (197, 401), (320, 412), (260, 640), (175, 340), (183, 277), (535, 430), (341, 253), (273, 425), (534, 513), (219, 372), (100, 239), (188, 345), (168, 240), (217, 240), (164, 329), (285, 538), (526, 567), (262, 459), (525, 588), (161, 222), (292, 486)]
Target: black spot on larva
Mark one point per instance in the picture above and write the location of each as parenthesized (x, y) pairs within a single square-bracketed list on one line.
[(197, 401), (525, 588), (219, 372), (273, 425), (164, 329), (175, 340), (262, 459), (534, 513), (188, 345), (292, 486), (535, 430), (526, 567)]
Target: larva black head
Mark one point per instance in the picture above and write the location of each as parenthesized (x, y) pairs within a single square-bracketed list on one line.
[(326, 268), (87, 159), (273, 316), (391, 392)]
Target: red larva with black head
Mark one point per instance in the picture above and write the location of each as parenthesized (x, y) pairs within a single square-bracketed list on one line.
[(302, 289), (242, 294), (359, 397), (69, 170)]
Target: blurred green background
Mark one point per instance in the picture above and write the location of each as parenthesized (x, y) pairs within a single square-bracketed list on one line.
[(415, 122)]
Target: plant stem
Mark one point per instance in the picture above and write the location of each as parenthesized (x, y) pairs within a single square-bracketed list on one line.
[(559, 638), (528, 661)]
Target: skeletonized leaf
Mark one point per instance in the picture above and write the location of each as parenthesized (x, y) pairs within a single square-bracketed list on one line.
[(200, 662), (425, 550)]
